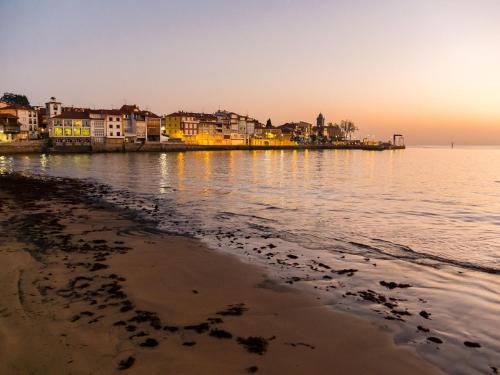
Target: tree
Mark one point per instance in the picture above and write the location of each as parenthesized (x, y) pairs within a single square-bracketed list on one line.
[(348, 127), (269, 124), (11, 98)]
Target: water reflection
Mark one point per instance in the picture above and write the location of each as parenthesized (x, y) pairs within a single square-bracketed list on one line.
[(423, 205), (180, 171)]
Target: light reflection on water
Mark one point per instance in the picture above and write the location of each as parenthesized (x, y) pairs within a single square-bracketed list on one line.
[(424, 205)]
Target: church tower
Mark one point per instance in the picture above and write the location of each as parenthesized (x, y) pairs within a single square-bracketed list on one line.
[(320, 124), (54, 108)]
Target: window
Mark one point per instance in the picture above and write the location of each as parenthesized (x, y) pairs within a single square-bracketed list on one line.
[(117, 134), (111, 126), (58, 132), (86, 132), (77, 132), (118, 126), (117, 119), (110, 119), (68, 132), (77, 123), (111, 134)]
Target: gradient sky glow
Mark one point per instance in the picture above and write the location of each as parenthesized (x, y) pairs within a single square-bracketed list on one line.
[(427, 68)]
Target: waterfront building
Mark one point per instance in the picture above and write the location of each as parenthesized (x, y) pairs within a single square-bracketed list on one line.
[(133, 123), (153, 126), (140, 130), (182, 123), (263, 131), (234, 124), (128, 121), (72, 125), (270, 136), (224, 123), (172, 125), (237, 128), (246, 126), (222, 127), (71, 128), (41, 113), (9, 127), (27, 118), (300, 131), (208, 125), (231, 121), (97, 126), (209, 130), (113, 124)]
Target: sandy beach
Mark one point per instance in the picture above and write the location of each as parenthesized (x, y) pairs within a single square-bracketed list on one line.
[(86, 290)]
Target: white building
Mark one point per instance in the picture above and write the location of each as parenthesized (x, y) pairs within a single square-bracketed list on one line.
[(29, 121), (246, 126), (231, 123), (97, 126), (113, 124)]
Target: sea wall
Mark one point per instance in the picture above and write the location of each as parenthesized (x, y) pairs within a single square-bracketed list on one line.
[(23, 147), (43, 146)]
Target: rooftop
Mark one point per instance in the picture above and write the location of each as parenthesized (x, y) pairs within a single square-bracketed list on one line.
[(73, 115), (7, 115), (17, 106)]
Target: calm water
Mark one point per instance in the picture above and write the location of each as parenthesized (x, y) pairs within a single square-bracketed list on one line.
[(429, 216)]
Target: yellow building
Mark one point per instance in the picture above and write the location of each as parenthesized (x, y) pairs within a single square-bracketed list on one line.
[(173, 125)]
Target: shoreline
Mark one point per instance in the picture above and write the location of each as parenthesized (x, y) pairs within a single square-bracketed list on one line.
[(173, 289), (42, 147)]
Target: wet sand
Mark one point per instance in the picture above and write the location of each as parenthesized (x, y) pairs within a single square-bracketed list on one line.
[(85, 290)]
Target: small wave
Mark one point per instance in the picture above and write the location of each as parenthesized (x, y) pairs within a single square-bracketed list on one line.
[(410, 254), (223, 214)]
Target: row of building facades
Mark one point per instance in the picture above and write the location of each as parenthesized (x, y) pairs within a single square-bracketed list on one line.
[(66, 125)]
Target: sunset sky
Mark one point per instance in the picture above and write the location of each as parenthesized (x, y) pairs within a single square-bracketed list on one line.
[(429, 69)]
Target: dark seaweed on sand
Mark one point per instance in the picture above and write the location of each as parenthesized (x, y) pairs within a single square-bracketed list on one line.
[(257, 345), (234, 310), (126, 363), (221, 334)]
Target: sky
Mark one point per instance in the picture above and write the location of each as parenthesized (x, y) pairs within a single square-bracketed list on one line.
[(429, 69)]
